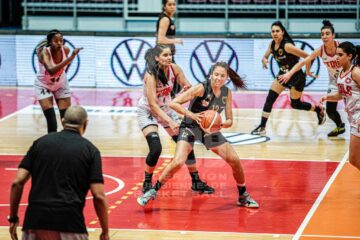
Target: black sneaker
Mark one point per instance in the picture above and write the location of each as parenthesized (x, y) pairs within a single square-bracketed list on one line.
[(202, 187), (336, 131), (146, 186), (259, 130), (321, 115)]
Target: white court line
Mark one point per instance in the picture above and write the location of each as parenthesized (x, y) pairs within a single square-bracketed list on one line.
[(321, 196), (14, 113), (218, 158)]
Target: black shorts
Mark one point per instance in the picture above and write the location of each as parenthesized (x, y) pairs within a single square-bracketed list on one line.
[(192, 132), (297, 81)]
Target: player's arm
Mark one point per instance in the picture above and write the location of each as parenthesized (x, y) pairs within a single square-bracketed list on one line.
[(161, 38), (180, 77), (178, 101), (266, 56), (290, 48), (53, 68), (228, 112), (307, 61)]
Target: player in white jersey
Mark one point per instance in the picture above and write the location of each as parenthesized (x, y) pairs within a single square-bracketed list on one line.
[(348, 83), (51, 81), (154, 110), (327, 52)]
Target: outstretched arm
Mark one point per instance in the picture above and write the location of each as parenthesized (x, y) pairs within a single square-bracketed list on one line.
[(53, 68)]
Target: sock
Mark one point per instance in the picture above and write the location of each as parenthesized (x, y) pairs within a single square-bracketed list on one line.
[(195, 176), (241, 189), (263, 121)]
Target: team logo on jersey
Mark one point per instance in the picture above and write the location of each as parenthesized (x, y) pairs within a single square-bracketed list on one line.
[(281, 52), (128, 63), (209, 52), (315, 68), (71, 69)]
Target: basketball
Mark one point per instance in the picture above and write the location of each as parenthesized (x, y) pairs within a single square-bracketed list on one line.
[(211, 121)]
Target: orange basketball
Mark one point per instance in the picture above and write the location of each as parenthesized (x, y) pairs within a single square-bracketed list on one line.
[(211, 121)]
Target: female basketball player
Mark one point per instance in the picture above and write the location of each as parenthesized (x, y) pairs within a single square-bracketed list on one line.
[(328, 54), (286, 55), (165, 32), (154, 109), (51, 81), (348, 83), (212, 94)]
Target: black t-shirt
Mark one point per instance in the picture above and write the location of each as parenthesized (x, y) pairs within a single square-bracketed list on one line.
[(284, 59), (62, 167)]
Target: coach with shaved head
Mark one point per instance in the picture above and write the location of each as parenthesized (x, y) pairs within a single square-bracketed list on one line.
[(63, 167)]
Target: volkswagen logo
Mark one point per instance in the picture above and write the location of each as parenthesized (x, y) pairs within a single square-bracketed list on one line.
[(207, 54), (315, 67), (71, 69), (128, 63)]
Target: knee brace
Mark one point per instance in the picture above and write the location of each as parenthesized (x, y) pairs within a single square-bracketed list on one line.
[(50, 120), (155, 148), (270, 100), (297, 104)]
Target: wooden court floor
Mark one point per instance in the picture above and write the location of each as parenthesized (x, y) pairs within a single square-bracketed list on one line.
[(331, 207)]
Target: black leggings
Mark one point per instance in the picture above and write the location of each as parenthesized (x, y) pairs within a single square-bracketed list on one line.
[(333, 113)]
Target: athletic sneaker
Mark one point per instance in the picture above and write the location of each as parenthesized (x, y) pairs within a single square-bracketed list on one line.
[(146, 186), (259, 130), (336, 131), (246, 201), (202, 187), (146, 197), (321, 115)]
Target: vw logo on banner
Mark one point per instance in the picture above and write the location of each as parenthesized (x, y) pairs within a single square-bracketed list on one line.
[(71, 69), (128, 63), (209, 52), (274, 67)]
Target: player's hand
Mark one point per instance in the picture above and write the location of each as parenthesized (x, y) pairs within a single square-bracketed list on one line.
[(104, 236), (283, 79), (264, 62), (76, 51), (174, 127), (322, 99), (310, 74), (12, 230)]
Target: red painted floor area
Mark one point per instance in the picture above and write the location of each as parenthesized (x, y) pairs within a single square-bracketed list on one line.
[(12, 99), (285, 191)]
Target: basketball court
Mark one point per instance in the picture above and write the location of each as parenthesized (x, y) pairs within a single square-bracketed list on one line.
[(301, 178)]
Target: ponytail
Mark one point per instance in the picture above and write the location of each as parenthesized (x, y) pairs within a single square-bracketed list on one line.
[(152, 66), (357, 58), (39, 47), (237, 81)]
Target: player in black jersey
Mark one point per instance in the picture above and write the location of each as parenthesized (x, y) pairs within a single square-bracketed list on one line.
[(166, 31), (286, 55), (211, 94)]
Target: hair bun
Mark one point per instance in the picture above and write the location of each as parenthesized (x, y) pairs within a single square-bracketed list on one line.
[(327, 23)]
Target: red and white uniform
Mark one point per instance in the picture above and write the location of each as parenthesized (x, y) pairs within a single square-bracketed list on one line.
[(47, 85), (350, 90), (163, 99), (332, 66)]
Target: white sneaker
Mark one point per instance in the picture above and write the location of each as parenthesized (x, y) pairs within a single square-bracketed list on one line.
[(146, 197)]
